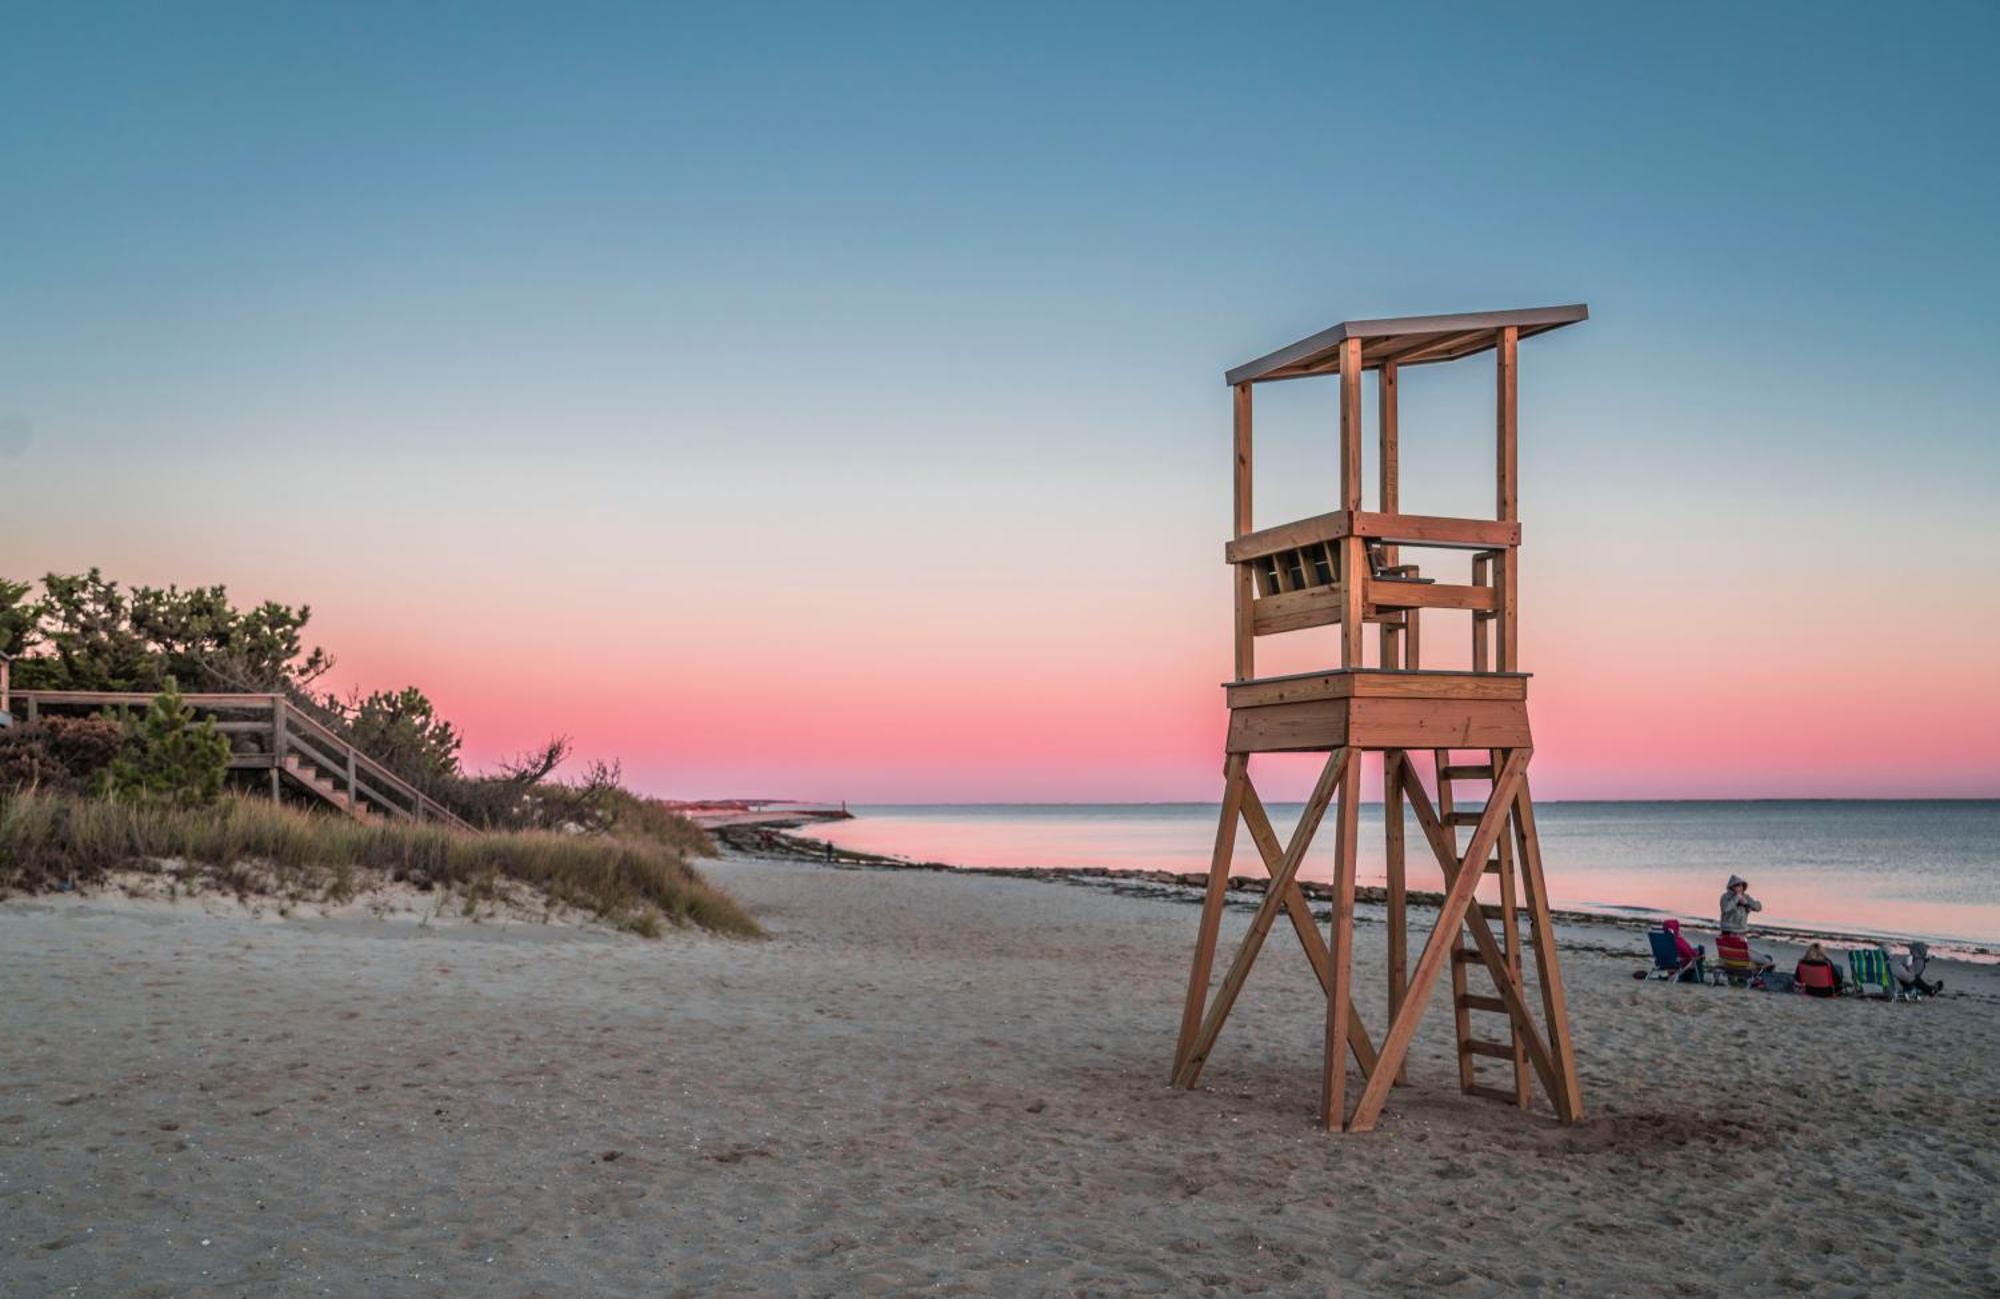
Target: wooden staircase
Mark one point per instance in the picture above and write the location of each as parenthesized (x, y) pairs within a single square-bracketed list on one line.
[(267, 732), (1486, 1001)]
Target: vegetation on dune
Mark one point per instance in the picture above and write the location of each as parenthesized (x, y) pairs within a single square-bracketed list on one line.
[(169, 759), (248, 844), (81, 796)]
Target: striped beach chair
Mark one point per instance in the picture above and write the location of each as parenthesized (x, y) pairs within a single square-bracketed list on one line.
[(1733, 960), (1870, 968)]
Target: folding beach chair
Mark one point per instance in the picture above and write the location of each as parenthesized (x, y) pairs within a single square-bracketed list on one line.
[(1817, 980), (1733, 960), (1870, 969), (1667, 962)]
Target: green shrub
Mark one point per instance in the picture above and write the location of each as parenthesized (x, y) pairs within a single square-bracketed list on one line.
[(171, 759)]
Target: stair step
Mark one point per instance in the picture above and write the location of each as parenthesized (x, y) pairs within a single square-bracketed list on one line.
[(1497, 1050), (1492, 1094), (1491, 1005), (1492, 865), (1492, 911), (1475, 772), (1467, 956), (1464, 818)]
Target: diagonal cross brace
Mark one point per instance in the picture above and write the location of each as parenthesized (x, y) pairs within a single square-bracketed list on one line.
[(1267, 914), (1299, 912), (1236, 780)]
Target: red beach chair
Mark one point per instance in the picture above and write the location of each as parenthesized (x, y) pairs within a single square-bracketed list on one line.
[(1816, 979)]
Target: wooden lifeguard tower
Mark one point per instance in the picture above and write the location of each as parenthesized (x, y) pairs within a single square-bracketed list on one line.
[(1347, 569)]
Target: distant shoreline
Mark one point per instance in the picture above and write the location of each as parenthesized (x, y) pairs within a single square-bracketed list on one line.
[(1187, 886)]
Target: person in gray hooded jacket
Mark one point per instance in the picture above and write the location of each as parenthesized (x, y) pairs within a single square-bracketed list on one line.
[(1909, 970), (1737, 904)]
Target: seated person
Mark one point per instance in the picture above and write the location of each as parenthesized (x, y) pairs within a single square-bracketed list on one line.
[(1688, 952), (1817, 975), (1909, 971)]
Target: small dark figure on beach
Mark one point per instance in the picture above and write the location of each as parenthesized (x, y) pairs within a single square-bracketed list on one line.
[(1817, 975), (829, 851)]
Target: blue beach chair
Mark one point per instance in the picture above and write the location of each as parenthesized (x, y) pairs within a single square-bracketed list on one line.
[(1667, 962)]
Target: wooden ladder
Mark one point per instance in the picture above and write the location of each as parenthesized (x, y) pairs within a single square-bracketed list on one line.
[(1465, 1002)]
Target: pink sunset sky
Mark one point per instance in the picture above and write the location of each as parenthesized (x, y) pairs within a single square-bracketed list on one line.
[(868, 439)]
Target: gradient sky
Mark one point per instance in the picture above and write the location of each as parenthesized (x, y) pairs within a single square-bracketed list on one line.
[(827, 401)]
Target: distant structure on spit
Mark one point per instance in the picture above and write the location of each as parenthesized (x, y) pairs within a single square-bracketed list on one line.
[(1347, 569)]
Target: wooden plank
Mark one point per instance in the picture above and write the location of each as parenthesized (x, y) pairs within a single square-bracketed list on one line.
[(1353, 592), (1375, 683), (1299, 911), (1244, 466), (1492, 1050), (1396, 1044), (1246, 623), (1379, 724), (1260, 924), (1429, 595), (1340, 944), (1436, 724), (1246, 588), (141, 698), (1510, 933), (1353, 562), (1508, 489), (1350, 425), (1568, 1097), (1319, 724), (1487, 1005), (1235, 769), (1433, 530), (1436, 531), (1388, 472), (1298, 610), (1393, 828), (1482, 575)]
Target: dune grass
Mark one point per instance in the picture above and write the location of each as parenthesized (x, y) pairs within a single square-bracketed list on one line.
[(638, 882)]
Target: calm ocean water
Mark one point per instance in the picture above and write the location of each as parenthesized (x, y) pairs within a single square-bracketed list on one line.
[(1917, 869)]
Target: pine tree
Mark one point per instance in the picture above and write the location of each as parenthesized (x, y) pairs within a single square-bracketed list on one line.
[(169, 757)]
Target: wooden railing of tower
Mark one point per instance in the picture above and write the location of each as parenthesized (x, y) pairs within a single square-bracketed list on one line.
[(268, 733), (1347, 569)]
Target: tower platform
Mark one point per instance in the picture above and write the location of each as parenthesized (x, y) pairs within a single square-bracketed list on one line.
[(1378, 709)]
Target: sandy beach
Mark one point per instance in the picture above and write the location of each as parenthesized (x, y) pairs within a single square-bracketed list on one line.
[(927, 1083)]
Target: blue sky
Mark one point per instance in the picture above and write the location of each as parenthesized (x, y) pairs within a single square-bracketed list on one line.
[(639, 305)]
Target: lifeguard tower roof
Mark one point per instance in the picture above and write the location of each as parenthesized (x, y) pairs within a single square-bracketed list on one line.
[(1406, 340)]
